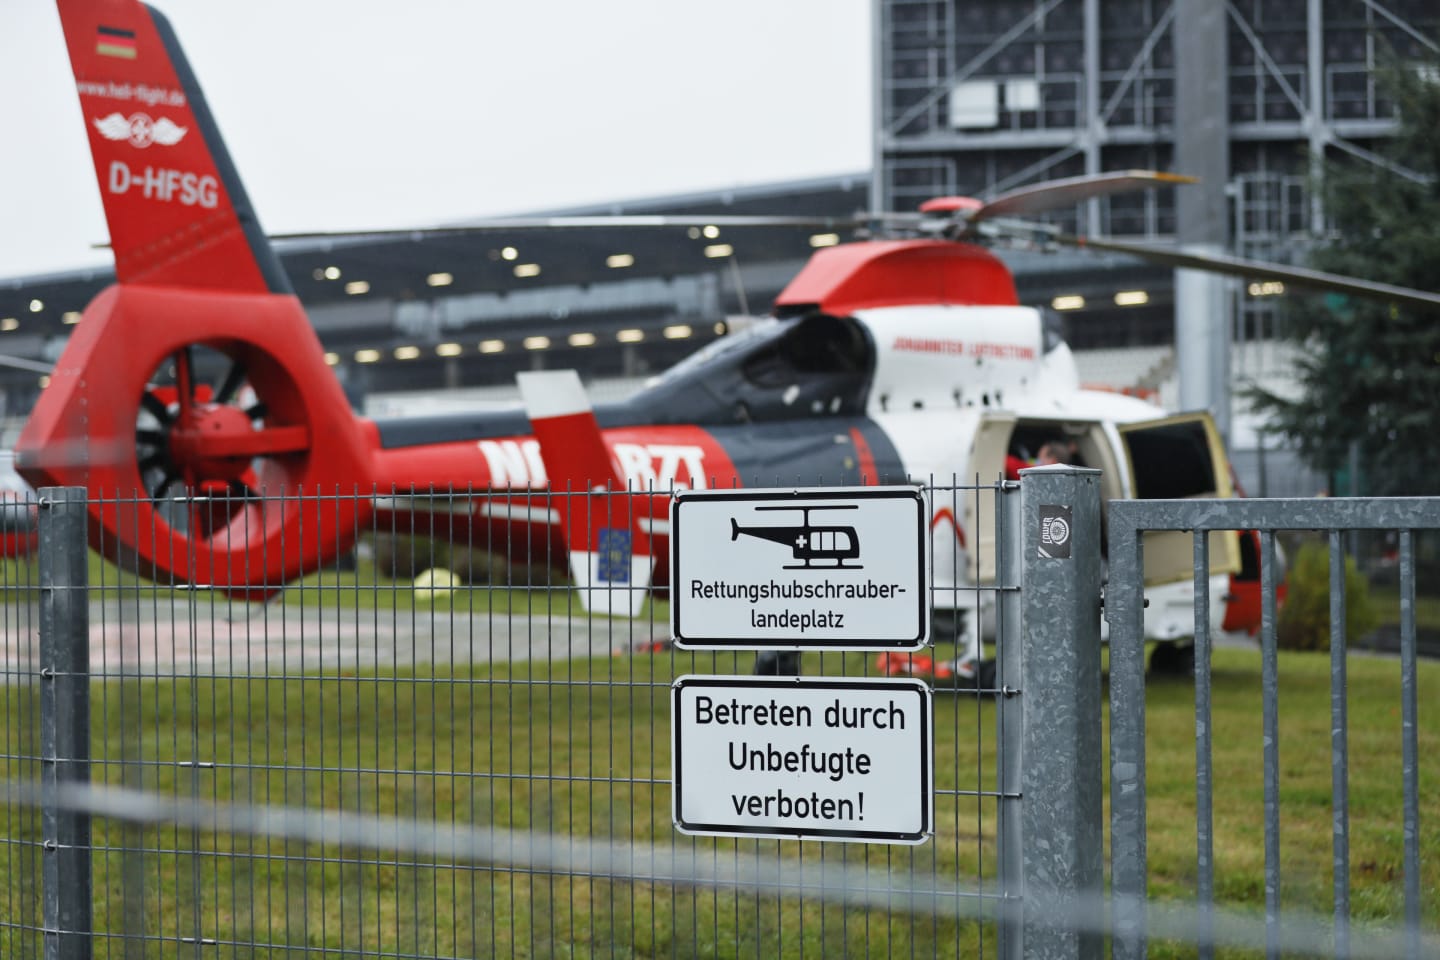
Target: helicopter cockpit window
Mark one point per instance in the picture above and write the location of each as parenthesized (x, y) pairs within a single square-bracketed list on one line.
[(774, 370), (735, 343), (817, 345)]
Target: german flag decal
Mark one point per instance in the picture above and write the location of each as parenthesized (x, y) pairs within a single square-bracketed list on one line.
[(114, 42)]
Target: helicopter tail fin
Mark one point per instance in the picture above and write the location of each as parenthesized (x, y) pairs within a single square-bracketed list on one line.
[(177, 211), (611, 559)]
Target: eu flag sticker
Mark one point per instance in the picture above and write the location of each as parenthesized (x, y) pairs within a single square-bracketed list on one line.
[(614, 559)]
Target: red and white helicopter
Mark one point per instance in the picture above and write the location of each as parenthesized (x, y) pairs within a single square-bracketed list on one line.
[(884, 361)]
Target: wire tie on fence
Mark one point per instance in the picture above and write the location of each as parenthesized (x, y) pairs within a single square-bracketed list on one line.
[(203, 941), (49, 846), (47, 673), (203, 764), (1009, 691), (45, 503)]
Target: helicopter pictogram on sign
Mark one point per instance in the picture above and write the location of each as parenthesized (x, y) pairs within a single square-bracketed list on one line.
[(809, 542)]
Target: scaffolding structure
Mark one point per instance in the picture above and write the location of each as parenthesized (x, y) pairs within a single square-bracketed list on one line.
[(979, 96)]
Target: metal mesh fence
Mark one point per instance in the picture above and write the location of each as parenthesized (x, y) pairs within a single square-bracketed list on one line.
[(427, 747), (20, 836)]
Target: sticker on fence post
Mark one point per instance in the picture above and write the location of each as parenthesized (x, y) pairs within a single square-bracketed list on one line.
[(796, 758), (1055, 530)]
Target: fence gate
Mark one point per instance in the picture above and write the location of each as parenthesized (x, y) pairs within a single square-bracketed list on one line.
[(1282, 795)]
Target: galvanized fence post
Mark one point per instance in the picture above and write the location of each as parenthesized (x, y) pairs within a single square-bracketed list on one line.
[(64, 720), (1062, 815), (1009, 718)]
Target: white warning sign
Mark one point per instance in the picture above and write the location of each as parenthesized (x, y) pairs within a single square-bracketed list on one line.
[(811, 569), (826, 759)]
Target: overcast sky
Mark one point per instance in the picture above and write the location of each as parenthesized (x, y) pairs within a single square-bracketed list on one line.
[(352, 113)]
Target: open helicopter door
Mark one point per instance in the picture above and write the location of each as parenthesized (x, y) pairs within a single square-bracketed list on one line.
[(1177, 458)]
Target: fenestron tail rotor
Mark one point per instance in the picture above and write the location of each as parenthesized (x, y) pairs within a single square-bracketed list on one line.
[(198, 392)]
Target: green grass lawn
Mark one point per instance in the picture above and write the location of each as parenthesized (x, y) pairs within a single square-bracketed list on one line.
[(581, 748)]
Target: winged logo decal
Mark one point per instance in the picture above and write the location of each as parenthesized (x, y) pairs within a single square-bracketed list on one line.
[(140, 130)]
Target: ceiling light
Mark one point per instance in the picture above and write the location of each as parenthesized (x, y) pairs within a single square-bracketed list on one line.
[(9, 323), (618, 260), (44, 381), (678, 332), (693, 233), (719, 328), (449, 350), (719, 250), (492, 346), (582, 339), (630, 336), (356, 287), (509, 253), (37, 305), (1269, 288), (407, 353), (332, 359), (1071, 302), (824, 239), (1131, 298), (527, 270), (440, 279), (70, 316), (536, 343), (332, 273), (711, 232), (367, 356)]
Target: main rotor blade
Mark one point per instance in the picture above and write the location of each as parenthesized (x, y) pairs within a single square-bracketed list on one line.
[(501, 224), (1040, 197), (1261, 270)]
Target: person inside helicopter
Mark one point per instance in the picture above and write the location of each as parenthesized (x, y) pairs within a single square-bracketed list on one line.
[(1059, 450)]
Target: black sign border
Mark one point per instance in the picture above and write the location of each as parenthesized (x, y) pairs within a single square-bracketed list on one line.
[(801, 493), (927, 760)]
